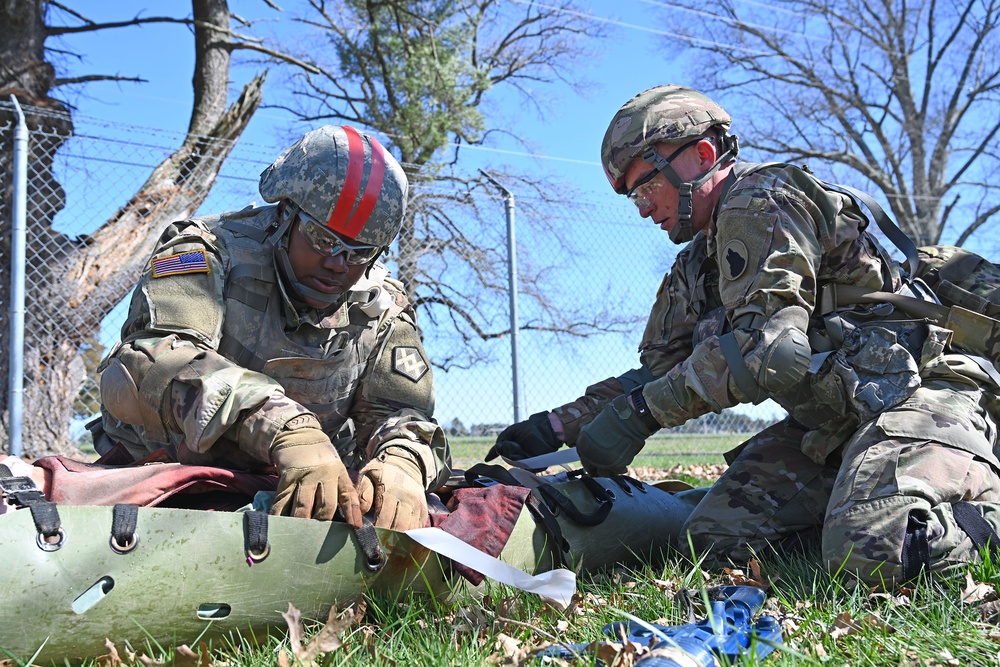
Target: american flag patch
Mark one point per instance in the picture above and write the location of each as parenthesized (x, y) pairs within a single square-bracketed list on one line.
[(185, 262)]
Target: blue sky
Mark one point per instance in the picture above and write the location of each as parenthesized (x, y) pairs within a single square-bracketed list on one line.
[(565, 142), (631, 59)]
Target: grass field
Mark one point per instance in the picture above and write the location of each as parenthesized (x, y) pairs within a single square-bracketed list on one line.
[(661, 451)]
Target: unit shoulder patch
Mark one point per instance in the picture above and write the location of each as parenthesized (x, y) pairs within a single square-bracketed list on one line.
[(734, 259), (408, 362), (180, 264)]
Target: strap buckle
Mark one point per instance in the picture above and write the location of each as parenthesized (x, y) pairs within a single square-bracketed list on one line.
[(20, 491)]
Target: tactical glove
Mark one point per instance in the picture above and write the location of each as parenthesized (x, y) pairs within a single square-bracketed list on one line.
[(523, 440), (609, 443), (312, 481), (391, 487)]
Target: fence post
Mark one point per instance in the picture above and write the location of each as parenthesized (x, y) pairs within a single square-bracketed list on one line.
[(508, 199), (15, 384)]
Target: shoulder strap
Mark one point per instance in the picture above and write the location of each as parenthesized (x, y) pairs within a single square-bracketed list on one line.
[(884, 222)]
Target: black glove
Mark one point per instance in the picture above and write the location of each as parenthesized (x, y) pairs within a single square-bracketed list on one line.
[(609, 443), (523, 440)]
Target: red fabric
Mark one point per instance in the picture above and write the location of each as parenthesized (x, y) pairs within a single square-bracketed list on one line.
[(483, 518), (164, 484)]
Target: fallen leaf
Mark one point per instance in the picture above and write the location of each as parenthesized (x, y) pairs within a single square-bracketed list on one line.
[(894, 600), (990, 612), (327, 639), (977, 591), (112, 659), (846, 625), (185, 657), (948, 658), (293, 618)]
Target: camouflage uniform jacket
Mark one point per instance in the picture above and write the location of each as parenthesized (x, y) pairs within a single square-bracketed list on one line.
[(778, 246), (220, 359)]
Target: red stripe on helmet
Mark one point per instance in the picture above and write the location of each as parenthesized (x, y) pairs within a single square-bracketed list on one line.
[(341, 215), (372, 189)]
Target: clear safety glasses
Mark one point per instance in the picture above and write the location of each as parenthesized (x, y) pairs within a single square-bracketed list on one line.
[(644, 188), (648, 184), (324, 241)]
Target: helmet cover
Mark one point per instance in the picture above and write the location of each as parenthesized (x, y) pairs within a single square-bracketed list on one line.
[(343, 178), (664, 114)]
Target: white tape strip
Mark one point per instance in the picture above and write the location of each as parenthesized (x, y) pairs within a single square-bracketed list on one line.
[(555, 586)]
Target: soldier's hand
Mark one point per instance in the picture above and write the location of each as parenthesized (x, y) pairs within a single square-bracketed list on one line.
[(523, 440), (609, 443), (313, 481), (391, 486)]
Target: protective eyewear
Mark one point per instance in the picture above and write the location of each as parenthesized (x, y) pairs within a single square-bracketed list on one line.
[(646, 186), (326, 242)]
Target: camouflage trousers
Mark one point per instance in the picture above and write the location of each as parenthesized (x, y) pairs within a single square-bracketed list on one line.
[(891, 486)]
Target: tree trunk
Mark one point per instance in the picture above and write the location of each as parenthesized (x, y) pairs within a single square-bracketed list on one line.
[(70, 283)]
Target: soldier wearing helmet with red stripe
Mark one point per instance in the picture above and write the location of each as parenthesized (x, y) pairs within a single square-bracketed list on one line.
[(273, 336)]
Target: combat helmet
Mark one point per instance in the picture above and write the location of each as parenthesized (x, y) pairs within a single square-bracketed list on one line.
[(669, 114), (344, 181)]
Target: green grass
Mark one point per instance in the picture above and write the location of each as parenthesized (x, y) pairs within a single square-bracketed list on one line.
[(925, 625), (661, 451)]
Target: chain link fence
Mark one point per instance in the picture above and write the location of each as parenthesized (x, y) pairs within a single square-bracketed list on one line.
[(588, 273)]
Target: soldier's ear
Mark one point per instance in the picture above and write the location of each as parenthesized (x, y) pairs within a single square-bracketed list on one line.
[(707, 152)]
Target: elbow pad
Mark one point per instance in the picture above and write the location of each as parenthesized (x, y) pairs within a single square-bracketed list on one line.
[(777, 362)]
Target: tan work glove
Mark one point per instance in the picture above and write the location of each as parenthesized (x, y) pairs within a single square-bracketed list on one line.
[(391, 484), (312, 481)]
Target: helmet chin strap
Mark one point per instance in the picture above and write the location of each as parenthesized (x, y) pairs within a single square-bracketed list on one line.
[(683, 231), (280, 239)]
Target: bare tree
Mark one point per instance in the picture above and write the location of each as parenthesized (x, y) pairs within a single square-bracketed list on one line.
[(902, 94), (420, 72), (74, 282)]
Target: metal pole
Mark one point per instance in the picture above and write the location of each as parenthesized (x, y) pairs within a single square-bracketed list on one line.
[(15, 392), (508, 199)]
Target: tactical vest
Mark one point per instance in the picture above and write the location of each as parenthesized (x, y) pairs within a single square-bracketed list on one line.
[(318, 366)]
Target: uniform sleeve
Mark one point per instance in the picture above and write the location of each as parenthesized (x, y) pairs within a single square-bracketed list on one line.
[(166, 380), (394, 407), (769, 252), (666, 341)]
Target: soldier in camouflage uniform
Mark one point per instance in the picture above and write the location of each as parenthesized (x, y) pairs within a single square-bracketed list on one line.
[(272, 336), (888, 447)]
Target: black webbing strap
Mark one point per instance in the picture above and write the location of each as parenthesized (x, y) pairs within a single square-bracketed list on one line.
[(255, 544), (482, 474), (541, 513), (22, 492), (976, 527), (916, 552), (557, 501), (884, 222), (370, 546), (124, 525)]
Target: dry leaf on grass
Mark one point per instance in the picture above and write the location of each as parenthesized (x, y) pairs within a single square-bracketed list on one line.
[(975, 592), (509, 649), (845, 625), (185, 657), (755, 578), (326, 640)]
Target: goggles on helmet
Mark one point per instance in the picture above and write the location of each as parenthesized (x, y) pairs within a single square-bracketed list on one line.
[(326, 242)]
